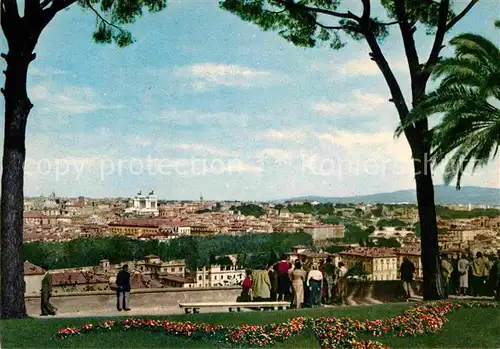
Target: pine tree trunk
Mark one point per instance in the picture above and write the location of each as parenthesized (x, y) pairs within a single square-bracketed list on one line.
[(433, 282), (17, 108)]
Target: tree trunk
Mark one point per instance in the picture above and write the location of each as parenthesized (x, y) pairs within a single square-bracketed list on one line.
[(433, 282), (17, 108)]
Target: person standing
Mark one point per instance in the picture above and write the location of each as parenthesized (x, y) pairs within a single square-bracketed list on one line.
[(298, 278), (342, 282), (478, 272), (497, 274), (123, 289), (261, 285), (330, 278), (463, 269), (306, 266), (273, 277), (446, 270), (324, 288), (246, 292), (283, 268), (46, 307), (315, 284), (407, 270), (455, 276)]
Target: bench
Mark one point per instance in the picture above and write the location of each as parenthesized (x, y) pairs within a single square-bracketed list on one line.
[(195, 307)]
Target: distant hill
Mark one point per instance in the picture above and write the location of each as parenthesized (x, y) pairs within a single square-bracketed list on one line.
[(444, 195)]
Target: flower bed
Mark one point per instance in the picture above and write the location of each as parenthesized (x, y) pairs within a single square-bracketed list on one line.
[(330, 332)]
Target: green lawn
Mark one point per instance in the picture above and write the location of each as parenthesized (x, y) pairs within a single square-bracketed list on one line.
[(467, 328)]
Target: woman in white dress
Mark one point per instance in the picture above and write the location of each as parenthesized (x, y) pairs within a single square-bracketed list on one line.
[(463, 269)]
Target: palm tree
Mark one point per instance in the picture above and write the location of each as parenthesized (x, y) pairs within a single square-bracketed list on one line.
[(469, 97)]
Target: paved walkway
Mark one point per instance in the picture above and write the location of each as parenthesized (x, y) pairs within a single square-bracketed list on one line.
[(165, 311), (175, 310)]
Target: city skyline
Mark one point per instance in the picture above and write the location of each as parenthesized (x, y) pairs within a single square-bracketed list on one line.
[(257, 114)]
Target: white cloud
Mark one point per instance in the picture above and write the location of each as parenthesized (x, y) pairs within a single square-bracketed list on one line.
[(205, 76), (46, 71), (369, 143), (283, 135), (363, 103), (140, 141), (68, 100), (276, 156), (190, 117), (205, 149), (362, 66)]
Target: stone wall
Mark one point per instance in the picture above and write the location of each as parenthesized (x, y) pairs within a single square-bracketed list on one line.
[(151, 299), (166, 300), (383, 291)]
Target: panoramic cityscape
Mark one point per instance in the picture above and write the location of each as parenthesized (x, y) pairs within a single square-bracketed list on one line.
[(250, 173)]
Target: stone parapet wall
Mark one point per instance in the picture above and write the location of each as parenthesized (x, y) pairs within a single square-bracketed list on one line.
[(166, 300), (154, 299)]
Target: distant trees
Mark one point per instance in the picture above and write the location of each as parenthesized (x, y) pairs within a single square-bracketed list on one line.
[(249, 210), (390, 223), (444, 212), (197, 251), (357, 271), (387, 242)]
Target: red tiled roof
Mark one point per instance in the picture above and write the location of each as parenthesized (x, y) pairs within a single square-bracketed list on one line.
[(178, 279), (144, 281), (370, 252), (77, 278), (146, 223), (33, 214), (32, 269)]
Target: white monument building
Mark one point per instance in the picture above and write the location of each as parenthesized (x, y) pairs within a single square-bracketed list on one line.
[(144, 205)]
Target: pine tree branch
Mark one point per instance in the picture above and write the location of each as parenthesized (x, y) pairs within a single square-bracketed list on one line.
[(44, 3), (378, 57), (104, 20), (438, 40), (334, 27), (31, 8), (461, 15), (9, 18), (10, 7), (387, 23), (408, 39), (346, 15), (366, 9)]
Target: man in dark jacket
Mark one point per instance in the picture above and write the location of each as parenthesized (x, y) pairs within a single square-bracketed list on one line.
[(123, 288), (47, 307), (496, 276), (407, 270)]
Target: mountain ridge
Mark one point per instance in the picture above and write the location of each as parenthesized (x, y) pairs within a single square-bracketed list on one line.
[(444, 195)]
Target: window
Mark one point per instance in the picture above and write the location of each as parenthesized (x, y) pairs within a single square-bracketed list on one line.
[(180, 269), (199, 277)]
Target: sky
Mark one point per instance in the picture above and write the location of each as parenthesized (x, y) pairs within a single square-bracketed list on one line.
[(204, 103)]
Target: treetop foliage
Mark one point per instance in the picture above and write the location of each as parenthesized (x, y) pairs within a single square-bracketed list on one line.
[(112, 14), (310, 23)]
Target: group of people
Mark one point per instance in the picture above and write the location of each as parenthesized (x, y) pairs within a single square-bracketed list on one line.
[(463, 275), (303, 283), (474, 276)]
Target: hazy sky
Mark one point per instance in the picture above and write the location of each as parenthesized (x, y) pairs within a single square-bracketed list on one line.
[(204, 102)]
